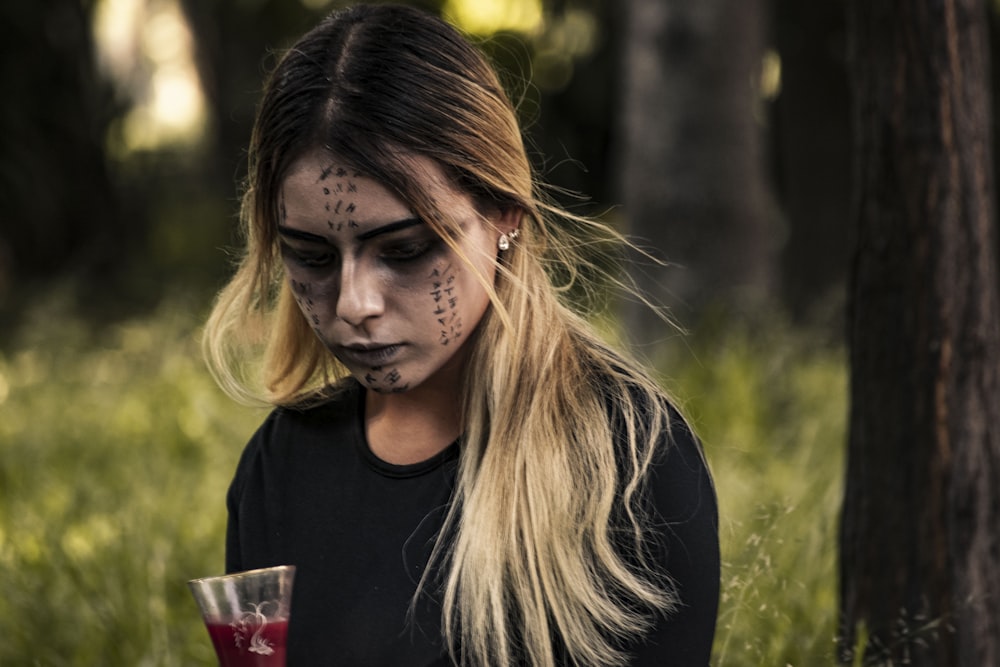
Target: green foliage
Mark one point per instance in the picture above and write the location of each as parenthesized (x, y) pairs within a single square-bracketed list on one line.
[(770, 404), (115, 454), (116, 450)]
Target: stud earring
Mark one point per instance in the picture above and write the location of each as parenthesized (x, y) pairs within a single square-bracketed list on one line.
[(504, 241)]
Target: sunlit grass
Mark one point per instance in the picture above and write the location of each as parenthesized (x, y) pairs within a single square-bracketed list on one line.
[(770, 405), (116, 450), (115, 453)]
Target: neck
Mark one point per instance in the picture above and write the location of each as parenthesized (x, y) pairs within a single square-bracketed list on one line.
[(413, 426)]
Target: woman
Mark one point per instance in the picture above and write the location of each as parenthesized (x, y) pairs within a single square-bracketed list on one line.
[(462, 472)]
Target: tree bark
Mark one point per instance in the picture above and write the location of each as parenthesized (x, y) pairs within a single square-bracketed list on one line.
[(60, 212), (920, 533), (690, 152)]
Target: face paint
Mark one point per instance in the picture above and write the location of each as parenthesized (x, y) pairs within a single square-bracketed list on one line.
[(446, 309), (389, 298)]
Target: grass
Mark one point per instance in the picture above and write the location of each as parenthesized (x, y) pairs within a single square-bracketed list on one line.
[(771, 408), (116, 450), (115, 454)]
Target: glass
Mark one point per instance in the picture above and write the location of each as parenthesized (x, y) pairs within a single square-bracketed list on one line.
[(246, 614)]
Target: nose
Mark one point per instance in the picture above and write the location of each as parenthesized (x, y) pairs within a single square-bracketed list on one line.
[(360, 296)]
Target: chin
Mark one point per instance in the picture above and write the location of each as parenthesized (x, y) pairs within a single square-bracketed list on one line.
[(390, 390)]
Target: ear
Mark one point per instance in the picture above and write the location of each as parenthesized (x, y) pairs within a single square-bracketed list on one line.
[(506, 220)]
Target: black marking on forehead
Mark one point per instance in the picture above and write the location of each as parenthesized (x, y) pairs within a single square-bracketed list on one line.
[(339, 172)]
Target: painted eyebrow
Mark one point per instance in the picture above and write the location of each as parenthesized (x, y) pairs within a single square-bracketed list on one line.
[(389, 228), (300, 235)]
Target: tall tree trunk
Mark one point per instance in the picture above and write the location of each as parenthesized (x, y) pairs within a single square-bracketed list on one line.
[(811, 139), (690, 150), (60, 212), (920, 540)]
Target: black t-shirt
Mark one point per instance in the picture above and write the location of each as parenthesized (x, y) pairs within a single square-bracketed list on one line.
[(309, 492)]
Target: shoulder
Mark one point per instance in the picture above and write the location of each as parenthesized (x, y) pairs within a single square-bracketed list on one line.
[(657, 447), (681, 509), (290, 431), (336, 404), (680, 480), (647, 426)]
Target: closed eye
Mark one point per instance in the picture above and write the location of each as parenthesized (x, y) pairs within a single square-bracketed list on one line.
[(406, 252), (308, 260)]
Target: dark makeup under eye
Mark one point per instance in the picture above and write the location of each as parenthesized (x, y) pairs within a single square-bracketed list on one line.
[(393, 252), (308, 259), (409, 250)]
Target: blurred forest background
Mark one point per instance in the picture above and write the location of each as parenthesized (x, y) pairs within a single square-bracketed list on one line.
[(717, 131), (123, 137)]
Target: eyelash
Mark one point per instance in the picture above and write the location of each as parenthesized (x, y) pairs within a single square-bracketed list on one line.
[(401, 254), (309, 261), (408, 252)]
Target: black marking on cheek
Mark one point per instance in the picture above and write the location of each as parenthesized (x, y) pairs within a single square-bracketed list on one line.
[(352, 186), (446, 304), (326, 172), (350, 208), (352, 224), (340, 203), (399, 390), (378, 382), (326, 190), (341, 172)]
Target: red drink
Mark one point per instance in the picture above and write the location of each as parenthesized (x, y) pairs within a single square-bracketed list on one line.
[(239, 645)]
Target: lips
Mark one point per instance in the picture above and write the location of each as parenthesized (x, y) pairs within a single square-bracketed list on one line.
[(367, 355)]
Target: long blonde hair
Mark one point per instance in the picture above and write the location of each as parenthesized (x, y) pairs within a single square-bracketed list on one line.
[(547, 554)]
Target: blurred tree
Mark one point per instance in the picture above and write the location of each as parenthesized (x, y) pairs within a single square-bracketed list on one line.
[(921, 518), (60, 212), (810, 135), (692, 170)]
